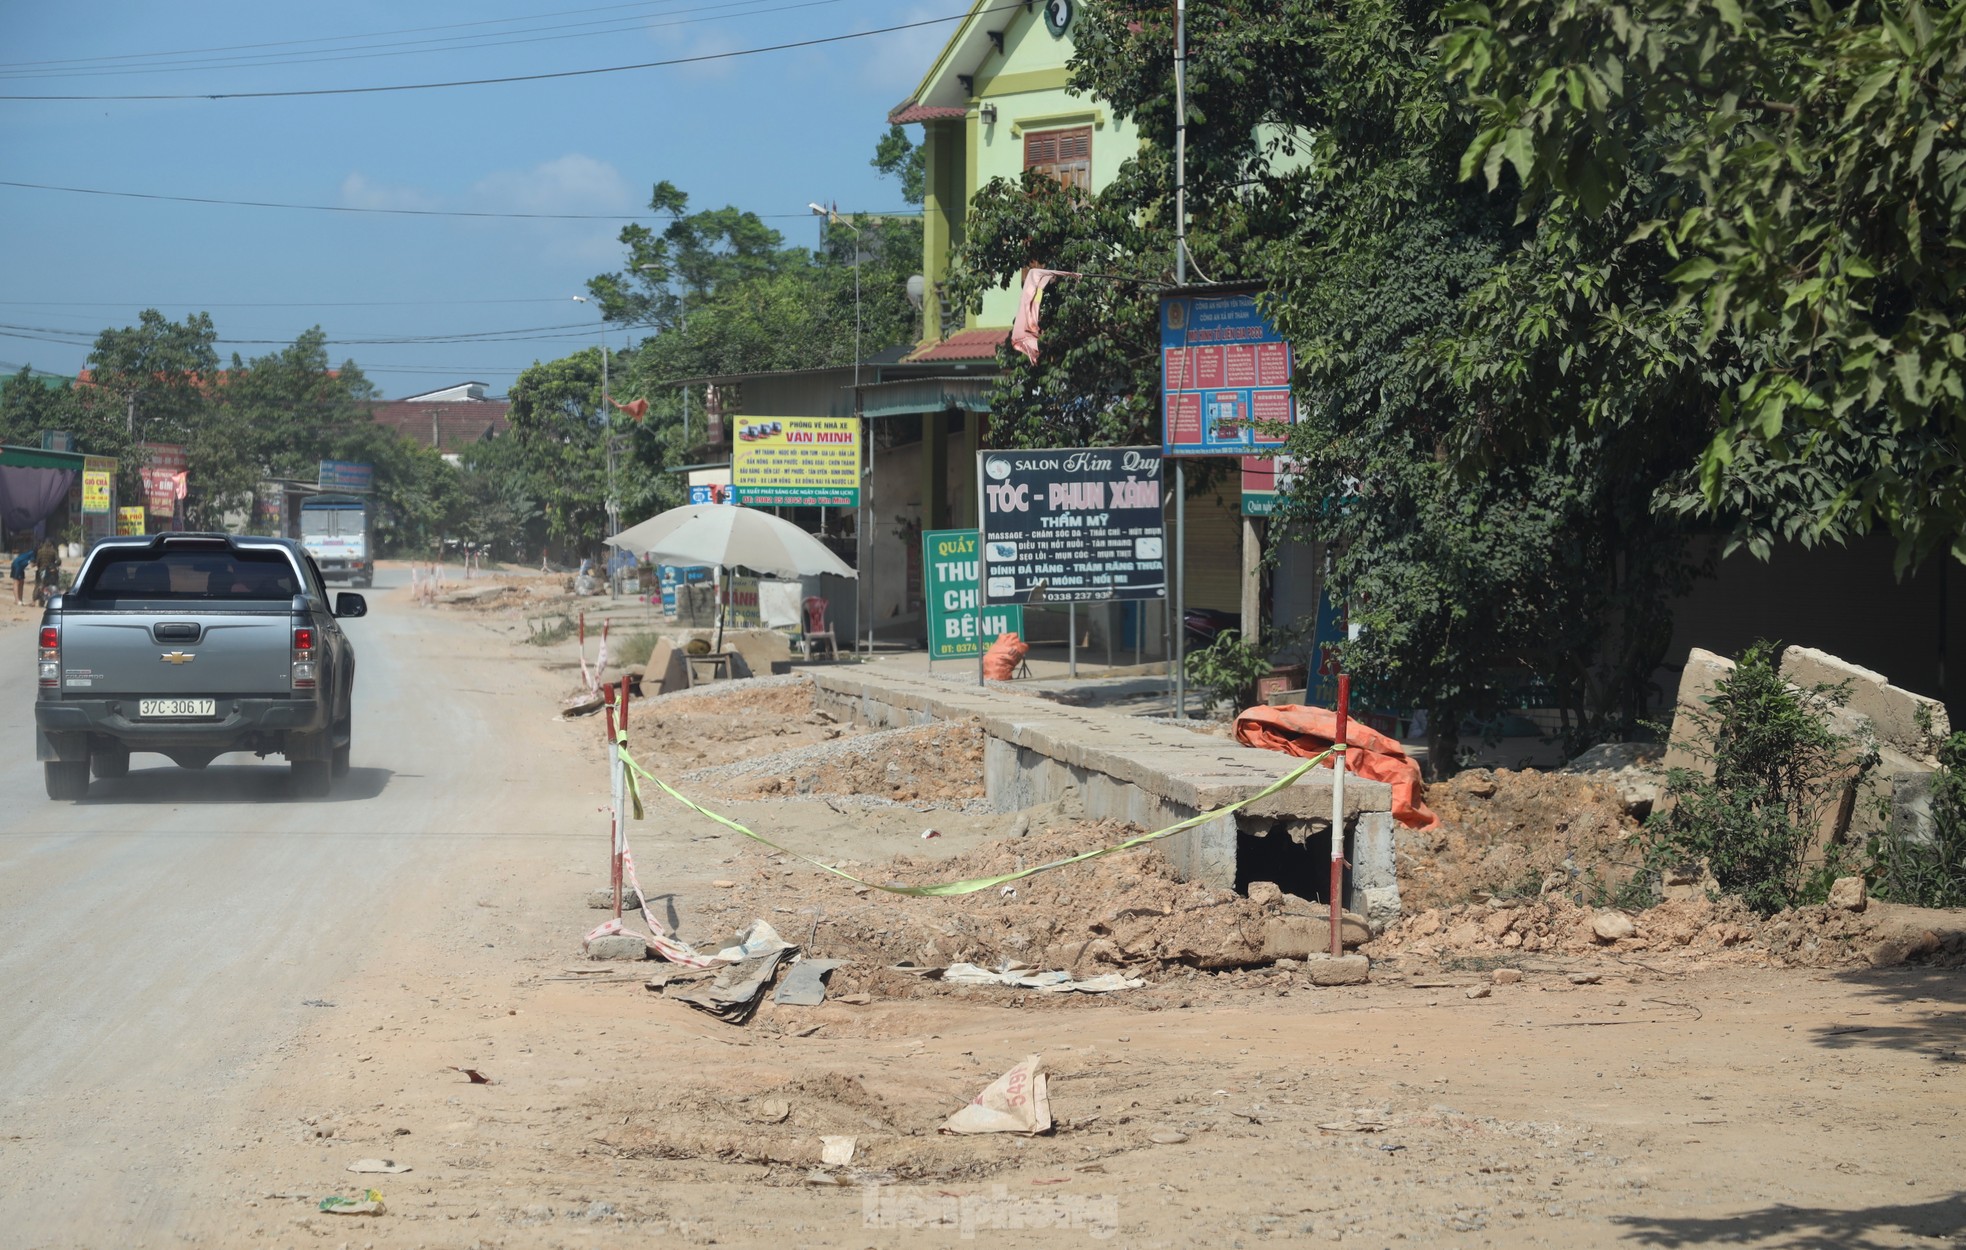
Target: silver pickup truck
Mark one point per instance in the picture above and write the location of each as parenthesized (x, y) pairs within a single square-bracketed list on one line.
[(190, 646)]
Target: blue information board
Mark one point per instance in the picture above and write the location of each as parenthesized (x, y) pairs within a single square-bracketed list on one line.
[(1225, 377)]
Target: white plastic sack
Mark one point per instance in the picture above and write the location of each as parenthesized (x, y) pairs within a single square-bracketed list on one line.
[(1016, 1102)]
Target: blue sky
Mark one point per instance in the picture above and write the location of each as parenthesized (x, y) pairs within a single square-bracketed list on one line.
[(767, 133)]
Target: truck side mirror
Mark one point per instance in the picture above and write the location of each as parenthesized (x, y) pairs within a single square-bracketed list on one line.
[(348, 603)]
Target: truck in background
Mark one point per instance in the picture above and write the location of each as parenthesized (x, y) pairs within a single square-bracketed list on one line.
[(338, 531)]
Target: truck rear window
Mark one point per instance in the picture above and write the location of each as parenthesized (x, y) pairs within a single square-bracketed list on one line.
[(192, 575)]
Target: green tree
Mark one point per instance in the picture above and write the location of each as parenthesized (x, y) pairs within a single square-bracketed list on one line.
[(1797, 178), (902, 159), (158, 372)]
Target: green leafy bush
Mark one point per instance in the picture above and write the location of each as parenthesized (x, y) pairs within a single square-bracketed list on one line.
[(1777, 768), (1227, 670), (1929, 873)]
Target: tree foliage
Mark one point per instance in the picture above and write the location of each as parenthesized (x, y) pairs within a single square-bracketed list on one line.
[(1797, 178), (1325, 168)]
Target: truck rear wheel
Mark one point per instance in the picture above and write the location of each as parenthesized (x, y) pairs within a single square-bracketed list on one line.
[(311, 778), (67, 779), (110, 763)]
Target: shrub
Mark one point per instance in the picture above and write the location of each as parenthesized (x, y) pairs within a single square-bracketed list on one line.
[(1227, 669), (1931, 873), (1777, 768)]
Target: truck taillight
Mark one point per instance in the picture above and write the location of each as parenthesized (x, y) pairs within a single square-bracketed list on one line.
[(50, 657), (303, 659)]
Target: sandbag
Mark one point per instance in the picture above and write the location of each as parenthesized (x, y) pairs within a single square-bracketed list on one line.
[(1005, 654), (1305, 731)]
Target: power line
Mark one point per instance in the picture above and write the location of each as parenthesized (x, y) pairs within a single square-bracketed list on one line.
[(526, 334), (512, 78), (192, 303), (367, 52), (393, 212), (373, 34)]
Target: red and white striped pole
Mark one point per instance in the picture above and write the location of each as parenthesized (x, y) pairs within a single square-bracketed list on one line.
[(614, 801), (1338, 818)]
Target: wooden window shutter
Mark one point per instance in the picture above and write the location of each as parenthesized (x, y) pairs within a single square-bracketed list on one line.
[(1062, 154)]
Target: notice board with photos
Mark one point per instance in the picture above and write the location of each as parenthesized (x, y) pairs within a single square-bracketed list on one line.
[(1080, 525), (796, 462)]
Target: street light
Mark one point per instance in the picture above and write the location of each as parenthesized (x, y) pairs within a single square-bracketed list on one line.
[(607, 418), (832, 217)]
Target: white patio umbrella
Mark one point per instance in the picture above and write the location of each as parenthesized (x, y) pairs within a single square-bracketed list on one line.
[(728, 535)]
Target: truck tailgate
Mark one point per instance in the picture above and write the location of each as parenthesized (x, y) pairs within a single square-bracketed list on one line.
[(189, 654)]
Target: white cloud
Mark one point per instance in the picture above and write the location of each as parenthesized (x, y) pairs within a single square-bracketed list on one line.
[(567, 184), (357, 191)]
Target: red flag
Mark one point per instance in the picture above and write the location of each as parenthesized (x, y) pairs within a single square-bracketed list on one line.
[(1024, 330), (637, 408)]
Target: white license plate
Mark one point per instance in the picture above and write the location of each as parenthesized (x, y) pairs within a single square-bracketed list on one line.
[(176, 709)]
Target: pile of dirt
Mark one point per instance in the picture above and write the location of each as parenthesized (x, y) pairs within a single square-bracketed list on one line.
[(1126, 912), (730, 721), (936, 764), (1512, 834), (1700, 930)]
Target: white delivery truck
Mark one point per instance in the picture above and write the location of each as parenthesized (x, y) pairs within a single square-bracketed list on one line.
[(337, 532)]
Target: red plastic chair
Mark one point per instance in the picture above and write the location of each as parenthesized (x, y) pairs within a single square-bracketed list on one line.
[(818, 629)]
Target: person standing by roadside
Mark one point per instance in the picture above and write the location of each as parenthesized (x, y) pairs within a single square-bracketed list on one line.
[(22, 558), (47, 571)]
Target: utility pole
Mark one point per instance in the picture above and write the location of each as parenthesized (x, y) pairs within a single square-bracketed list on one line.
[(1178, 633)]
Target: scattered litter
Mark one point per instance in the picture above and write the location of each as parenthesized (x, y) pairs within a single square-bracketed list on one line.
[(1481, 991), (315, 1002), (1024, 976), (1390, 1147), (1362, 1121), (378, 1165), (1010, 891), (836, 1152), (1016, 1102), (734, 993), (725, 885), (817, 1177), (477, 1077), (1167, 1136), (805, 984), (931, 833), (370, 1203), (856, 1000)]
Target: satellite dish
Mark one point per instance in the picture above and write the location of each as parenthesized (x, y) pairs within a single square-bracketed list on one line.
[(917, 290)]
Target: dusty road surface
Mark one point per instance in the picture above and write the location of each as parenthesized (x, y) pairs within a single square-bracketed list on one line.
[(215, 999)]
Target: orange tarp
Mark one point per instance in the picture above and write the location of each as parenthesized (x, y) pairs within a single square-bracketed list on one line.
[(1305, 731)]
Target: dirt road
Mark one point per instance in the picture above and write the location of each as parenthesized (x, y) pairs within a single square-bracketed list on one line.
[(165, 1080)]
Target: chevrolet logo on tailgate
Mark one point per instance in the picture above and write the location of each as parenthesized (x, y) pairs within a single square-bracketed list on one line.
[(177, 657)]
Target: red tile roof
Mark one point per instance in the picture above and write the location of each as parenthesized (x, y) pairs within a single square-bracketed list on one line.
[(978, 344), (445, 425), (909, 111)]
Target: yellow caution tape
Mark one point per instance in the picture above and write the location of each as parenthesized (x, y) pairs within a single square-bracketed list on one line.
[(949, 889)]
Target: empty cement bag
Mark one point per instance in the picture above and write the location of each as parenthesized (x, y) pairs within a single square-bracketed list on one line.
[(1305, 731), (1016, 1102), (1005, 654)]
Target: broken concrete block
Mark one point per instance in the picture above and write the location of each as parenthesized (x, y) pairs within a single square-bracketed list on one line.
[(1610, 926), (1297, 937), (1848, 894), (603, 900), (1265, 893), (1698, 682), (1344, 970), (1911, 723), (618, 946), (1505, 976)]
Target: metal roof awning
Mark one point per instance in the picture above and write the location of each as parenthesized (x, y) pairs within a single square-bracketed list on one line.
[(912, 395)]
